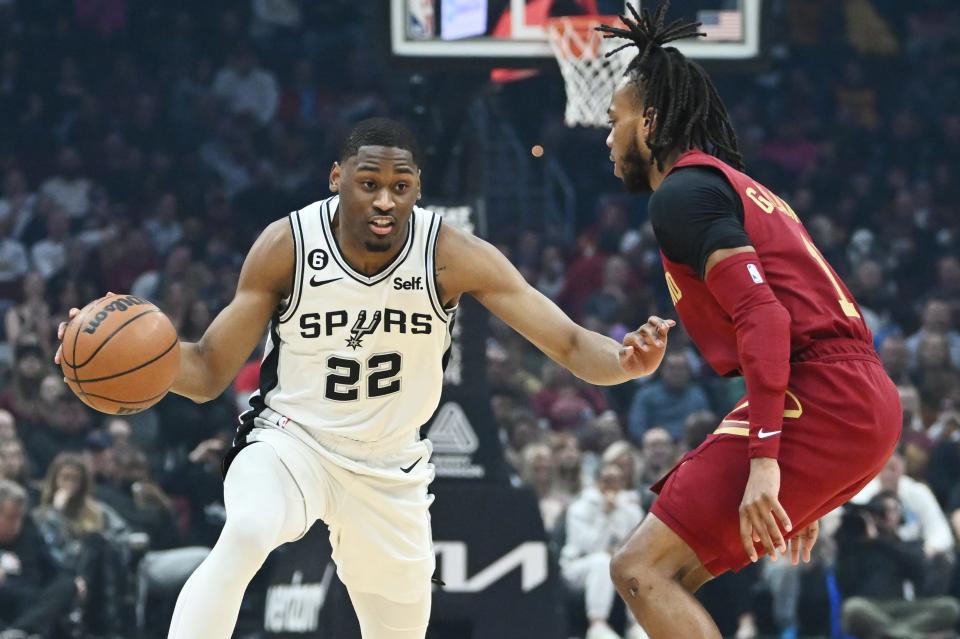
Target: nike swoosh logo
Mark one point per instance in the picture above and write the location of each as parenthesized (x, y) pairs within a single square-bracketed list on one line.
[(410, 467), (315, 282), (764, 434)]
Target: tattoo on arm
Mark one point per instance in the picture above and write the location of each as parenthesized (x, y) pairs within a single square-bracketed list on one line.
[(436, 279)]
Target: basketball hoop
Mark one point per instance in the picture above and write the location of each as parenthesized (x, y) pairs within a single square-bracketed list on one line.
[(589, 76)]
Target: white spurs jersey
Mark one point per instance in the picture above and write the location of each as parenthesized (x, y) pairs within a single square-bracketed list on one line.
[(352, 355)]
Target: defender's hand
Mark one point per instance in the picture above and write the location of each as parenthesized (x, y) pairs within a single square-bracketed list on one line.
[(802, 544), (651, 338), (760, 509)]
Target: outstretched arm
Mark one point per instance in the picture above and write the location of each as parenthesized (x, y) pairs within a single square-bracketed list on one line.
[(209, 365), (467, 264)]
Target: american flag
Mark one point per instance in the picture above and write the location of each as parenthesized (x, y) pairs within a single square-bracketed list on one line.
[(721, 25)]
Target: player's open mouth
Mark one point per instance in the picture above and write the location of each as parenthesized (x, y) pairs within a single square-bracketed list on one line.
[(382, 225)]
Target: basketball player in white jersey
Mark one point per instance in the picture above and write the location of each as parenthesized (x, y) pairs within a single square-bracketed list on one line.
[(358, 293)]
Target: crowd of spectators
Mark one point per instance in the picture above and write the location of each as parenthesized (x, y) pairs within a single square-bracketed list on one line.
[(144, 145)]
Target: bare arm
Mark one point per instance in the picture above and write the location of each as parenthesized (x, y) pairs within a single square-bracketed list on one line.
[(467, 264), (208, 366)]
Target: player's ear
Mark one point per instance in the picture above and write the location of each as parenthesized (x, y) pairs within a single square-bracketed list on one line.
[(335, 177), (419, 184), (649, 121)]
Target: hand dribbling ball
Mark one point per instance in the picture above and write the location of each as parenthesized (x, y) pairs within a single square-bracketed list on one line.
[(120, 354)]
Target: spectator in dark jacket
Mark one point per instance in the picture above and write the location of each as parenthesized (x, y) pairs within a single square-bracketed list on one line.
[(139, 501), (873, 568), (35, 596)]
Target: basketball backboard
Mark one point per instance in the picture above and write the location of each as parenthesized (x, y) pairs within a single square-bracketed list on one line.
[(498, 31)]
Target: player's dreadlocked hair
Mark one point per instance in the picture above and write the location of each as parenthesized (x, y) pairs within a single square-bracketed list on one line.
[(689, 112)]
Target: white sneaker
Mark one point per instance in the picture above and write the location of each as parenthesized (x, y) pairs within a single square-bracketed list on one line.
[(636, 632), (601, 631)]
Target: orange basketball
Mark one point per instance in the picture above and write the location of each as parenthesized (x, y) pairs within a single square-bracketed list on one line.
[(120, 354)]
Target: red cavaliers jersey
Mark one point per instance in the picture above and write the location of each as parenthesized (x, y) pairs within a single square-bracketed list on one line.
[(819, 304)]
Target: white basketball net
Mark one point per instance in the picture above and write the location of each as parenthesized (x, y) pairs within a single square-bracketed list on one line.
[(590, 77)]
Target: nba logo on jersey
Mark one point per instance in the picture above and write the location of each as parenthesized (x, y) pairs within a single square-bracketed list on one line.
[(754, 273)]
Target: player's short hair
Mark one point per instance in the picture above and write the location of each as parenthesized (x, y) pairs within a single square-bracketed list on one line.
[(689, 111), (379, 132)]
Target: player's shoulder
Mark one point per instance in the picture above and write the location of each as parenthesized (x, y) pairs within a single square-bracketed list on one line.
[(454, 242), (280, 236), (426, 217), (691, 185)]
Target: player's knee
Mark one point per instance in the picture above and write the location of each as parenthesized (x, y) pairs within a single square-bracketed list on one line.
[(630, 573)]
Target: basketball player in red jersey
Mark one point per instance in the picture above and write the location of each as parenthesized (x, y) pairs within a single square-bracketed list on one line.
[(820, 416)]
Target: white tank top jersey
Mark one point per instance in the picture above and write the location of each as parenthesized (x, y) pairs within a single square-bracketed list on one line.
[(356, 356)]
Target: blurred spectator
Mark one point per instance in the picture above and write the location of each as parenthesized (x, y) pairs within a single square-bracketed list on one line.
[(896, 359), (698, 426), (17, 207), (49, 255), (567, 402), (937, 377), (198, 479), (13, 261), (60, 422), (518, 429), (120, 432), (856, 98), (98, 456), (566, 451), (623, 454), (139, 501), (598, 521), (915, 440), (15, 466), (875, 294), (551, 273), (873, 565), (29, 321), (8, 425), (69, 189), (22, 394), (948, 282), (539, 473), (659, 452), (76, 528), (606, 304), (585, 274), (163, 228), (303, 100), (667, 401), (36, 595), (197, 320), (936, 320), (247, 88), (123, 260)]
